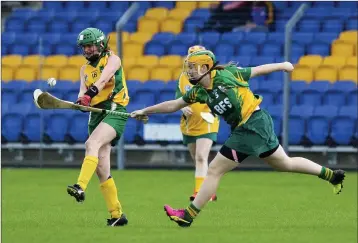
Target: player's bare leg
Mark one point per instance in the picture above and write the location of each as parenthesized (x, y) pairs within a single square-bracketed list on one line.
[(201, 155), (217, 168), (103, 134), (281, 161), (108, 188)]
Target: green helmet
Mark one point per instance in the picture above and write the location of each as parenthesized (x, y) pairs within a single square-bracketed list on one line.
[(92, 36), (195, 61)]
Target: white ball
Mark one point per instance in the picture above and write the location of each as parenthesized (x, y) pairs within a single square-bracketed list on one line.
[(51, 82)]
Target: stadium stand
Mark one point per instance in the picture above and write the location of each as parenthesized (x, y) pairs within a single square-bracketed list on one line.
[(155, 41)]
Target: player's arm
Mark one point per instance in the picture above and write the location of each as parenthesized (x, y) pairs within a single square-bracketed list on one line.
[(83, 87), (113, 64), (166, 107), (269, 68)]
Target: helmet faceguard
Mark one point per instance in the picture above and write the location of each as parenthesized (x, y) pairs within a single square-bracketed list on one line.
[(92, 42)]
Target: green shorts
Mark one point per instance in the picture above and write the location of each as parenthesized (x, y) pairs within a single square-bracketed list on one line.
[(192, 139), (117, 122), (255, 137)]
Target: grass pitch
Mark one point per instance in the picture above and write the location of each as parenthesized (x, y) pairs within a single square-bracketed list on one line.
[(252, 207)]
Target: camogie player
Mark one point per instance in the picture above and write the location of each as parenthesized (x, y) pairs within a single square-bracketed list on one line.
[(103, 85), (198, 134), (225, 89)]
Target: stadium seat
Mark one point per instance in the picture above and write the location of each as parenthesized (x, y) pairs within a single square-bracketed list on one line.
[(77, 60), (206, 4), (171, 61), (164, 4), (318, 49), (327, 111), (32, 60), (349, 36), (340, 48), (138, 73), (148, 25), (248, 50), (69, 72), (140, 37), (224, 132), (178, 49), (11, 60), (11, 126), (21, 50), (179, 14), (302, 38), (149, 61), (210, 39), (332, 25), (128, 62), (325, 37), (57, 126), (348, 73), (145, 97), (48, 72), (233, 38), (298, 49), (25, 72), (56, 61), (311, 60), (342, 130), (158, 13), (161, 73), (334, 97), (317, 130), (352, 98), (352, 61), (177, 72), (296, 127), (65, 49), (165, 96), (78, 127), (348, 111), (186, 5), (334, 61), (130, 131), (133, 49), (256, 37), (153, 48), (302, 73), (163, 37), (324, 72), (310, 97), (309, 25), (271, 49), (224, 48), (302, 111), (7, 73), (171, 25)]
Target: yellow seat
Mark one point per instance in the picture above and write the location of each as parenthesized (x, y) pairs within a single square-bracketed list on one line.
[(33, 60), (26, 72), (178, 13), (11, 60), (148, 25), (138, 73), (352, 61), (113, 38), (129, 62), (335, 61), (325, 72), (187, 5), (48, 72), (311, 60), (177, 72), (350, 36), (141, 37), (161, 73), (7, 73), (340, 48), (149, 61), (133, 49), (348, 73), (77, 60), (171, 25), (69, 72), (172, 61), (56, 60), (114, 49), (156, 13), (302, 72), (207, 4)]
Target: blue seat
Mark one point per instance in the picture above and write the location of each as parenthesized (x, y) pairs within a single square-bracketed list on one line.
[(320, 86), (351, 24), (342, 129), (78, 127), (164, 37), (97, 5), (317, 130), (318, 49), (153, 86), (145, 97), (224, 48), (166, 96), (309, 25), (296, 128), (302, 38), (8, 38), (178, 49), (327, 111), (210, 38), (325, 37), (323, 4), (130, 27), (247, 49), (276, 37), (277, 125), (347, 4), (333, 25), (260, 60), (310, 97), (224, 132), (75, 5), (233, 38), (303, 111), (133, 86), (352, 98), (11, 126), (154, 48), (79, 25), (20, 50), (173, 118), (256, 37), (28, 38), (65, 49), (104, 25), (201, 13), (36, 26), (273, 85), (275, 110), (4, 50), (156, 118), (57, 126), (58, 27), (164, 4), (222, 58), (298, 86), (268, 97), (130, 131), (349, 111), (121, 6), (271, 49), (8, 97), (188, 39), (15, 24), (293, 98), (334, 97), (344, 86), (172, 85), (243, 61), (53, 5), (298, 49), (317, 13), (14, 85), (191, 25)]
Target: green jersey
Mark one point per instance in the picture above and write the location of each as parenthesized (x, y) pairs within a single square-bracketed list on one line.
[(228, 96)]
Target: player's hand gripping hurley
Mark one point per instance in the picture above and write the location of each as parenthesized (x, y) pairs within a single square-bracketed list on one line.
[(44, 100)]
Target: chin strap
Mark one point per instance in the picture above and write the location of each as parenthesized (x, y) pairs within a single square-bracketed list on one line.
[(194, 82)]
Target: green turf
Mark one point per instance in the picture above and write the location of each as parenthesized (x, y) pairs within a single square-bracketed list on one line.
[(255, 207)]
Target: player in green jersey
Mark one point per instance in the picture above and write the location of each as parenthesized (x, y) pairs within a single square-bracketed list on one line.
[(225, 89)]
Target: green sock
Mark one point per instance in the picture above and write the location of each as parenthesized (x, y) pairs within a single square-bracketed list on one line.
[(326, 174), (191, 211)]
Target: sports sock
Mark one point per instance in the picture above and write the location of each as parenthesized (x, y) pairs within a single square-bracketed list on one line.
[(109, 191), (326, 174), (89, 166), (198, 183), (191, 212)]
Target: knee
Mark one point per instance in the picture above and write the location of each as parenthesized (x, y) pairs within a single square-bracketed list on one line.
[(214, 171), (200, 158), (92, 144)]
